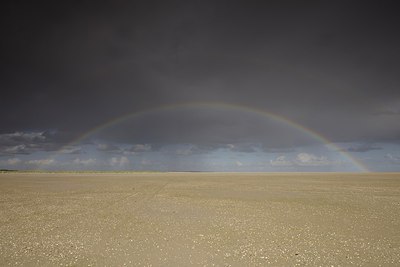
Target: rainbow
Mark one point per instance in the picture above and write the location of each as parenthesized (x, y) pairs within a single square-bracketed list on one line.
[(278, 118)]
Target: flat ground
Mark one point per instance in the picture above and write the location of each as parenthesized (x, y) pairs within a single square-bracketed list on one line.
[(206, 219)]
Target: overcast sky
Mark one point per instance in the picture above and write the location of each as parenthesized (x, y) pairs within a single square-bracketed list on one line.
[(331, 67)]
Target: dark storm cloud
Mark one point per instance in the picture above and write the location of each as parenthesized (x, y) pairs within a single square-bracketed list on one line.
[(208, 128), (331, 66)]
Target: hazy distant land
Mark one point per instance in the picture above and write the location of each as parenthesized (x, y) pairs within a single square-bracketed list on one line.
[(201, 219)]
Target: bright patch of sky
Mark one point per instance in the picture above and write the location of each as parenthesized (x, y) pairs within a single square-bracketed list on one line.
[(187, 157)]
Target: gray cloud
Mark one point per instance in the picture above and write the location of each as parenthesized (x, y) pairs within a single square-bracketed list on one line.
[(393, 158), (111, 148), (119, 161), (11, 161), (302, 159), (85, 162), (362, 148), (247, 148), (29, 142), (140, 148), (41, 162), (277, 149), (71, 150)]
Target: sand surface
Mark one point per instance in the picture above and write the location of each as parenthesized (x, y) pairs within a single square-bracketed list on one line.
[(200, 219)]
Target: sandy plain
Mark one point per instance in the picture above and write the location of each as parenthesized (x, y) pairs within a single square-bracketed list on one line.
[(199, 219)]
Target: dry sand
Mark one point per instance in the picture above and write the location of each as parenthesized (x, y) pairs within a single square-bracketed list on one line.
[(201, 219)]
